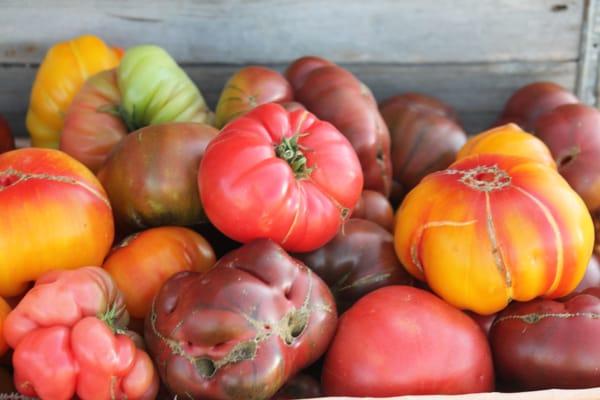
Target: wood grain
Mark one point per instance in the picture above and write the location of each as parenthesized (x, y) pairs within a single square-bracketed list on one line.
[(276, 31), (477, 91)]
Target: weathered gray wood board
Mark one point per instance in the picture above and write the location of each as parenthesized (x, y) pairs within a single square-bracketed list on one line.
[(267, 31), (470, 53)]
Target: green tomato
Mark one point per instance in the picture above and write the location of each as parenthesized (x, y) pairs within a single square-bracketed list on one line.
[(155, 89)]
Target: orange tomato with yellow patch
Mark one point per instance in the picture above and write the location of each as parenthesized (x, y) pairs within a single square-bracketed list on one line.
[(63, 71), (492, 228), (508, 139)]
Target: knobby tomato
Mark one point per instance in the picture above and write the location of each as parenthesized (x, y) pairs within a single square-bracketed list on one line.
[(281, 175)]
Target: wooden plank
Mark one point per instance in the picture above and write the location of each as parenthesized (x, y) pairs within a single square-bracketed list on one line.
[(276, 31), (477, 91), (589, 58)]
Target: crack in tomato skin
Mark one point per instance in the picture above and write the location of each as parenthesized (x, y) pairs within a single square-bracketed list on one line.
[(288, 328), (26, 176), (534, 318)]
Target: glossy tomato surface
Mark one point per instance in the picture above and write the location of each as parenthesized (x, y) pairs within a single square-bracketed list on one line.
[(143, 262), (281, 175), (546, 344), (400, 340), (244, 328)]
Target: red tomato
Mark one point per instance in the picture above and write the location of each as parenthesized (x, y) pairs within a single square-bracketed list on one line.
[(286, 176), (400, 340)]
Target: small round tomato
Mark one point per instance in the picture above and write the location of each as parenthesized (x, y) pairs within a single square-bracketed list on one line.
[(143, 262), (286, 176), (375, 207)]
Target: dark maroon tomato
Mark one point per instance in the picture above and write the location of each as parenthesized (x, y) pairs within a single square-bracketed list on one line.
[(7, 142), (301, 386), (484, 321), (375, 207), (360, 259), (425, 137), (241, 330), (572, 133), (151, 176), (401, 340), (335, 95), (592, 275), (549, 343), (529, 102), (397, 107)]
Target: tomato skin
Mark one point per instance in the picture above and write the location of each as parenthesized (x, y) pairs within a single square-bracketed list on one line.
[(411, 342), (531, 101), (508, 139), (241, 330), (57, 217), (335, 95), (375, 207), (571, 133), (358, 260), (89, 134), (249, 193), (68, 338), (425, 137), (7, 142), (248, 88), (61, 74), (545, 344), (161, 163), (525, 231), (142, 263)]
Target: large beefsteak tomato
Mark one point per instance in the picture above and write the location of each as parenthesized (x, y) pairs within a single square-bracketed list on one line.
[(492, 228), (281, 175)]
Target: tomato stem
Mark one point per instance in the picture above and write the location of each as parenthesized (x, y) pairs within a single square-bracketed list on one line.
[(289, 150), (109, 317)]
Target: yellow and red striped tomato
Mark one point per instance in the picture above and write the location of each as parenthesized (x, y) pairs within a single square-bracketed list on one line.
[(63, 71), (54, 214), (492, 228), (511, 140)]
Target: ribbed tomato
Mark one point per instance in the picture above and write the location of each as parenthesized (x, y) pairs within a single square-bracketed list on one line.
[(508, 139), (286, 176), (492, 228)]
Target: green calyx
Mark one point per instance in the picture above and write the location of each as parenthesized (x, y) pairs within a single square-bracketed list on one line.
[(109, 317), (120, 112), (291, 152)]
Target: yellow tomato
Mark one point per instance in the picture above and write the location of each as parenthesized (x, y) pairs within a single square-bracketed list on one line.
[(63, 71)]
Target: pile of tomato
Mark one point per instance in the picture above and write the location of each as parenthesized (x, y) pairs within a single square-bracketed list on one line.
[(302, 240)]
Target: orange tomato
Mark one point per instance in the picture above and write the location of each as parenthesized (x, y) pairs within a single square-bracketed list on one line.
[(54, 214), (143, 262), (63, 71), (492, 228), (4, 311), (508, 139)]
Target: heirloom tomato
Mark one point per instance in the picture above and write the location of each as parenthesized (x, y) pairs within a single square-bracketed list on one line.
[(400, 340), (248, 88), (508, 139), (54, 214), (494, 228), (281, 175), (142, 262), (242, 329), (334, 94), (544, 344), (63, 70), (68, 338), (375, 207)]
